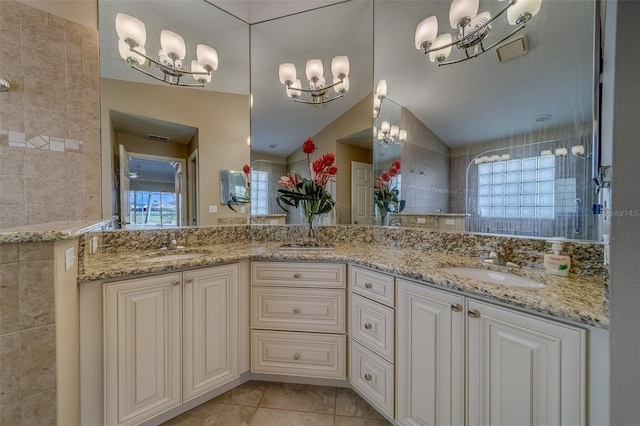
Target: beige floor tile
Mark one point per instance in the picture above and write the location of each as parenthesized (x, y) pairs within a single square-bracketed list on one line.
[(357, 421), (288, 396), (248, 393), (213, 414), (271, 417), (349, 403)]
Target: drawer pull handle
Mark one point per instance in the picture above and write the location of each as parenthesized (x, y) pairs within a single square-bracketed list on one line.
[(473, 313), (367, 326), (368, 377), (456, 307), (296, 275), (368, 285), (296, 310), (296, 356), (189, 280), (176, 282)]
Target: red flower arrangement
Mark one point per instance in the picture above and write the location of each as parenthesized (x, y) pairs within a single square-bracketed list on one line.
[(385, 196), (311, 193)]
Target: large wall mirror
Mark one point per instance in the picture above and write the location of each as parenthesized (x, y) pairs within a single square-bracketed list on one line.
[(185, 135), (493, 146)]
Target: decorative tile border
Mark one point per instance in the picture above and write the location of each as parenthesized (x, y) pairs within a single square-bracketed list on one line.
[(43, 142)]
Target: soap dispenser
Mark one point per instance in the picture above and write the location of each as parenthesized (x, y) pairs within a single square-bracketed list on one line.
[(556, 263)]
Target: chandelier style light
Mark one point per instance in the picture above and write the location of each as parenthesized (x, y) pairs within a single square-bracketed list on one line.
[(132, 36), (317, 93), (472, 29), (389, 134), (380, 94)]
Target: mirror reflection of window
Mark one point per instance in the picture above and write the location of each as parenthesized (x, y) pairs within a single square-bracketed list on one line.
[(259, 192)]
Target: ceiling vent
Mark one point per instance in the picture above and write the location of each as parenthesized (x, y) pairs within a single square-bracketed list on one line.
[(512, 49), (157, 137)]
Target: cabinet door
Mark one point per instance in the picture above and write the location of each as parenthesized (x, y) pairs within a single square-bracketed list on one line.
[(430, 356), (142, 348), (211, 319), (524, 370)]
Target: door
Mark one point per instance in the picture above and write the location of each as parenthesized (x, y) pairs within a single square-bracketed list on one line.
[(125, 186), (524, 370), (192, 188), (211, 319), (361, 193), (430, 356), (142, 321)]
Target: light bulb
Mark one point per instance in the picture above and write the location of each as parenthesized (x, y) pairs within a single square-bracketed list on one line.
[(577, 149), (287, 72), (132, 28), (402, 136), (522, 10), (126, 53), (426, 31), (545, 153), (381, 90), (294, 90), (173, 43), (314, 69), (461, 9), (196, 67), (561, 151), (340, 65), (341, 87), (441, 54), (385, 127), (394, 131), (207, 56)]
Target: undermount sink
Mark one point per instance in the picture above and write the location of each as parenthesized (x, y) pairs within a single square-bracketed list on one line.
[(173, 257), (494, 277)]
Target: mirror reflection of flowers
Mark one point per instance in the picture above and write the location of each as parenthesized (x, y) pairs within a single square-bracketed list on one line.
[(310, 193), (246, 196), (385, 194)]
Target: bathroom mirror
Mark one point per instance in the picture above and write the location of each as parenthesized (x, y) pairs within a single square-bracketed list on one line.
[(468, 121), (217, 115), (233, 187)]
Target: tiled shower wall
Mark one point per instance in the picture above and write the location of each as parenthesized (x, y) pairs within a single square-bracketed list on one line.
[(49, 118), (27, 335)]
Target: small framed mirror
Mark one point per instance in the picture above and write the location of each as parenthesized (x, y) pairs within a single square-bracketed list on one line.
[(234, 187)]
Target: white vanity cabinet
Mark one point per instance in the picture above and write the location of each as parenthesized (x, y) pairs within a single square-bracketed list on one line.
[(298, 319), (521, 369), (372, 337), (168, 339)]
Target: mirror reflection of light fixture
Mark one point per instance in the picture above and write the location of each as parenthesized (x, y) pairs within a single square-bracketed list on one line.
[(545, 153), (389, 134), (132, 36), (318, 89), (4, 85), (561, 152), (472, 29), (380, 94)]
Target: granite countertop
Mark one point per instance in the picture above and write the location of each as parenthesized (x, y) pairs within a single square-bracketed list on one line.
[(579, 299), (51, 231)]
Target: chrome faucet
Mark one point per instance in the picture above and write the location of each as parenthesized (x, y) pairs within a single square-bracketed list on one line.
[(498, 256), (173, 244)]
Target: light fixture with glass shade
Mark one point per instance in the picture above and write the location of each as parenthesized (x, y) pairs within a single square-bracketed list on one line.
[(380, 94), (132, 37), (318, 92), (472, 28), (389, 134)]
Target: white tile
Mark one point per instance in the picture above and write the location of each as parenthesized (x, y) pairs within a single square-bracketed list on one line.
[(56, 146), (17, 137)]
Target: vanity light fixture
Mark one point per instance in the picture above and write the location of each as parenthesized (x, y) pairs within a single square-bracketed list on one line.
[(472, 29), (389, 134), (546, 153), (132, 36), (318, 91), (561, 152), (380, 94)]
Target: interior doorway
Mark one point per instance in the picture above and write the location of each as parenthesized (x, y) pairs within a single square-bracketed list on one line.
[(152, 191)]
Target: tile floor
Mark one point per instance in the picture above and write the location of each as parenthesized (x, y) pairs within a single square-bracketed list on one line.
[(283, 404)]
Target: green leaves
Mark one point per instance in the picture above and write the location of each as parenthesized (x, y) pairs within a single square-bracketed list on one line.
[(313, 198), (387, 201)]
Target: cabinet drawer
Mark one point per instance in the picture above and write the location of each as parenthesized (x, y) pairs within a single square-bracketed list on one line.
[(298, 354), (372, 325), (372, 376), (298, 309), (373, 285), (298, 274)]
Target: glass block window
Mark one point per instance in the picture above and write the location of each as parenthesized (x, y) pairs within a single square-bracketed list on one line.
[(259, 192), (522, 188)]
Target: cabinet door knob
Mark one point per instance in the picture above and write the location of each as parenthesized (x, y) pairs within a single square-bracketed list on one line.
[(367, 377), (367, 325), (456, 307), (368, 285), (176, 282), (473, 313), (296, 356), (189, 280), (296, 310), (296, 275)]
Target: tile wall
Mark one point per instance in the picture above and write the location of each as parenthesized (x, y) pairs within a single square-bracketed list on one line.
[(27, 335), (49, 119)]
